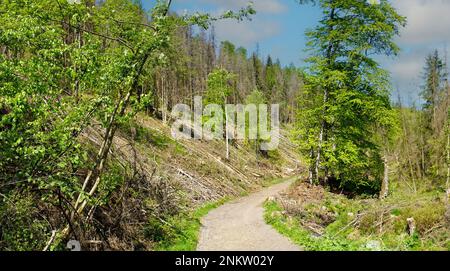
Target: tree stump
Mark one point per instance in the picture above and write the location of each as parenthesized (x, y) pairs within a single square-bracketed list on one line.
[(411, 225)]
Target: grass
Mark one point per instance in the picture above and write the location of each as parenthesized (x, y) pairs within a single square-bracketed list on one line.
[(145, 135), (185, 229), (426, 208), (268, 182), (290, 227)]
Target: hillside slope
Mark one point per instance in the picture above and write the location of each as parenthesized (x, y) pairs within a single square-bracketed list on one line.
[(166, 180)]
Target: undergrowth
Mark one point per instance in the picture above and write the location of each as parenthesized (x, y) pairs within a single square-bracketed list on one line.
[(365, 224), (291, 228), (180, 232)]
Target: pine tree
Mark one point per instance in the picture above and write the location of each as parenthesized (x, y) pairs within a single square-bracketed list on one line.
[(435, 76)]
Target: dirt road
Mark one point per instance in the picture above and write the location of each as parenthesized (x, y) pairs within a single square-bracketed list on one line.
[(240, 226)]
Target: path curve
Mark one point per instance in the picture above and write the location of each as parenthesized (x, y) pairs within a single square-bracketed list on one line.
[(240, 226)]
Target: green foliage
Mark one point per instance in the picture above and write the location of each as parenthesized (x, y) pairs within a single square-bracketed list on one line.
[(145, 135), (256, 97), (65, 67), (220, 86), (291, 228), (17, 211), (434, 87), (112, 180), (345, 110), (180, 232), (354, 224)]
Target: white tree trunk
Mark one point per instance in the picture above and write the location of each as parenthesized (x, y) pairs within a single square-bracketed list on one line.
[(226, 131), (447, 184), (385, 185)]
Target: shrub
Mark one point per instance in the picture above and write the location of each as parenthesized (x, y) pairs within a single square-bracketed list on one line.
[(21, 228)]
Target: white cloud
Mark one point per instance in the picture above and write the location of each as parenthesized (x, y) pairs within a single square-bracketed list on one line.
[(261, 6), (246, 33), (406, 69), (428, 20), (428, 28)]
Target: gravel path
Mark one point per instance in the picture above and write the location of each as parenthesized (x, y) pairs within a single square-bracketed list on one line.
[(240, 226)]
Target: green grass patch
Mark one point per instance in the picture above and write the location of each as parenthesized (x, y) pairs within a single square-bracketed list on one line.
[(181, 232), (268, 182), (381, 225), (149, 136)]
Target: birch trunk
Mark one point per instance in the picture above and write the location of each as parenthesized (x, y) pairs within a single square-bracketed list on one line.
[(385, 185)]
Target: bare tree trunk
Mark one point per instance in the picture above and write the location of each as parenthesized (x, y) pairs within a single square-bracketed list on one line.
[(311, 170), (385, 185), (447, 184), (323, 126), (102, 156), (319, 146), (226, 130), (77, 81), (408, 150), (96, 172), (163, 100)]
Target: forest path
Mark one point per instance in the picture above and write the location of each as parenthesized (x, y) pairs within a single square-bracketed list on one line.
[(240, 226)]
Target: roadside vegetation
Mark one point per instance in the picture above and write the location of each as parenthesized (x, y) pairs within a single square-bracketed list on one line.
[(379, 172), (181, 232), (319, 220), (87, 153)]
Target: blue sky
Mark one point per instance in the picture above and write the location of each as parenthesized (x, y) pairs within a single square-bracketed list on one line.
[(279, 28)]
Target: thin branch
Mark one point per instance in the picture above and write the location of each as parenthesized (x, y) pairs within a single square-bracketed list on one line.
[(133, 23), (168, 7), (50, 241)]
